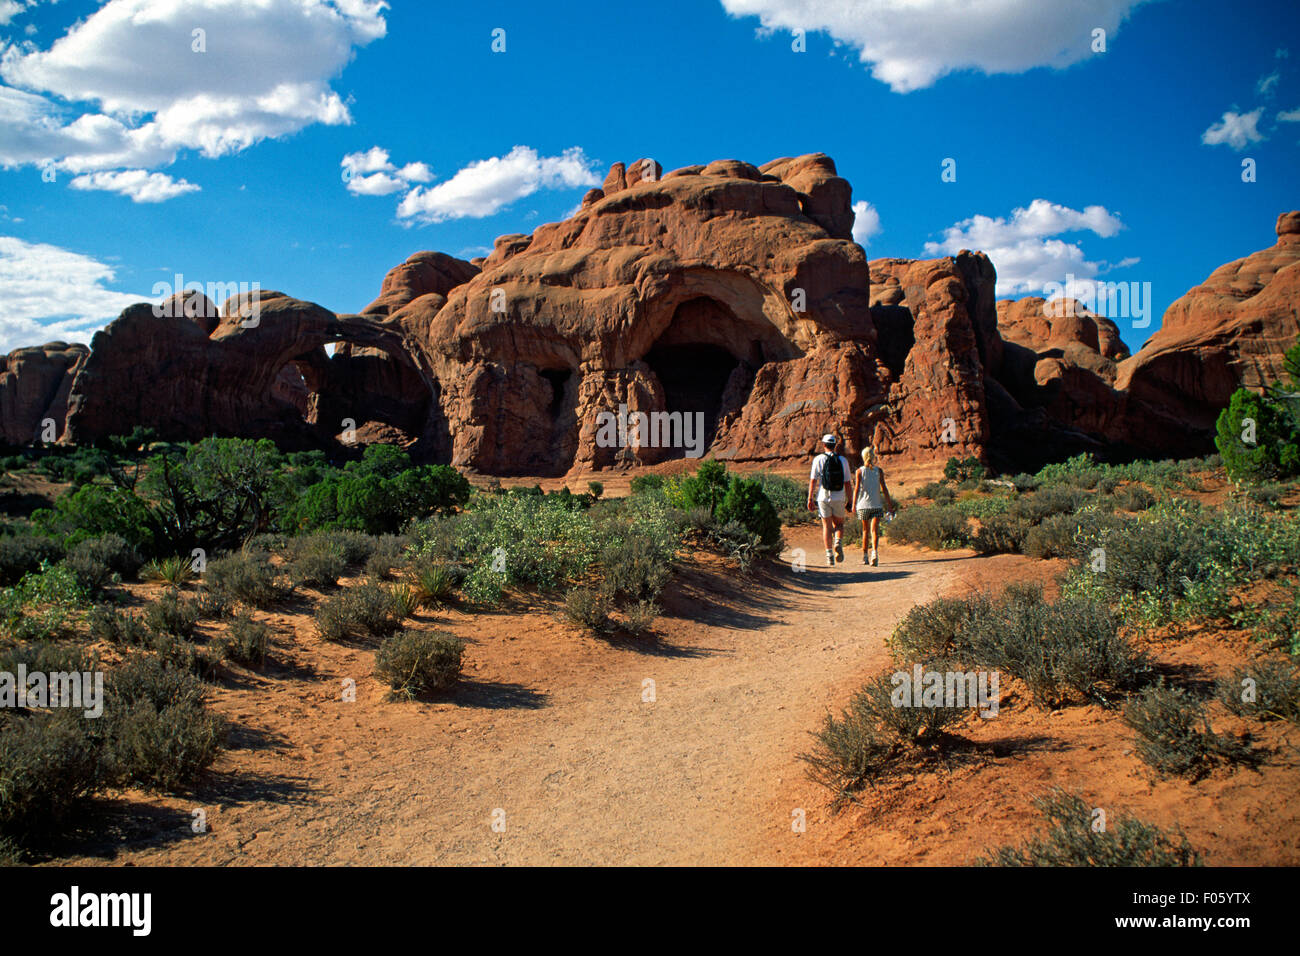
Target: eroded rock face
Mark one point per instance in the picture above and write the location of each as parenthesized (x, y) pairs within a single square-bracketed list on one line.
[(34, 386), (721, 290), (1229, 331), (260, 373), (724, 290)]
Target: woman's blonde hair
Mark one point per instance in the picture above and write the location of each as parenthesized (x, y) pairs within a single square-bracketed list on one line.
[(869, 456)]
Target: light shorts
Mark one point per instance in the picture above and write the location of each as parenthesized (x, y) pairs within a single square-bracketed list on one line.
[(832, 509), (866, 514)]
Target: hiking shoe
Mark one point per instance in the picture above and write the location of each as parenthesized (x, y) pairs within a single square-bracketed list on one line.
[(830, 559), (875, 558), (864, 558), (839, 551)]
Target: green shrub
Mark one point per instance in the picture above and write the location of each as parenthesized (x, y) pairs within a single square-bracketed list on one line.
[(432, 583), (1269, 494), (1001, 534), (962, 470), (638, 618), (416, 664), (1052, 500), (98, 562), (1174, 734), (41, 606), (389, 553), (316, 561), (634, 567), (158, 735), (172, 614), (380, 494), (123, 630), (587, 607), (246, 576), (1275, 449), (216, 493), (595, 489), (642, 484), (23, 554), (1266, 689), (873, 737), (48, 765), (1134, 498), (933, 631), (1073, 645), (366, 610), (1025, 482), (747, 505), (246, 641), (93, 511), (934, 526), (1070, 840), (174, 570)]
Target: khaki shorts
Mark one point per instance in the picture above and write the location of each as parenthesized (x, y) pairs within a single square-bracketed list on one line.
[(832, 509)]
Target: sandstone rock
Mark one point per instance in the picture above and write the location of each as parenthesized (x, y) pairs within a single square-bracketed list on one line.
[(421, 274), (710, 293), (1230, 331), (34, 385), (154, 371)]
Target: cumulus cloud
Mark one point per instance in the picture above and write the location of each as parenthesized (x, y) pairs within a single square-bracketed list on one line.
[(1025, 247), (140, 185), (909, 45), (484, 187), (8, 10), (1237, 130), (1290, 116), (162, 76), (49, 293), (866, 222), (372, 174)]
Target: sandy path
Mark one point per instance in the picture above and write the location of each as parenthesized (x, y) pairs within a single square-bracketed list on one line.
[(552, 729)]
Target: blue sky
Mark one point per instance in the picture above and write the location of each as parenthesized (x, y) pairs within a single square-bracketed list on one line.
[(126, 156)]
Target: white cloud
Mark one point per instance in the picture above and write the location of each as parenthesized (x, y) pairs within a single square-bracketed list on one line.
[(264, 71), (1290, 116), (866, 222), (1023, 247), (911, 43), (8, 10), (372, 174), (1237, 130), (484, 187), (49, 293), (140, 185), (1267, 83)]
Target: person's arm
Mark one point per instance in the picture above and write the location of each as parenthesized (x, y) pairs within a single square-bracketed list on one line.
[(884, 490), (857, 483), (812, 485)]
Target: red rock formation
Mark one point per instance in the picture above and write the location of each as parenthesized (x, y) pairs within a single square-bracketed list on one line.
[(711, 290), (727, 290), (34, 385), (1229, 331)]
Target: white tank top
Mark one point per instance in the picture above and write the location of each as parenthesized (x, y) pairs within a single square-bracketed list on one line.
[(869, 489)]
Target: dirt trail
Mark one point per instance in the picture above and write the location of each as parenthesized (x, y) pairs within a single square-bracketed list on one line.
[(550, 727)]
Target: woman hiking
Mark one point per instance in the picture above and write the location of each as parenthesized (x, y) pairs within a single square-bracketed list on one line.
[(870, 495)]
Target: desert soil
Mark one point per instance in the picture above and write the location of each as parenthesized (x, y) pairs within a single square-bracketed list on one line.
[(562, 737)]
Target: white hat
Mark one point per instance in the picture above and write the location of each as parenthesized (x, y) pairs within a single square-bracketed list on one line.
[(829, 439)]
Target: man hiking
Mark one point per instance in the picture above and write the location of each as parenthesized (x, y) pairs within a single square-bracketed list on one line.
[(827, 480), (870, 495)]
